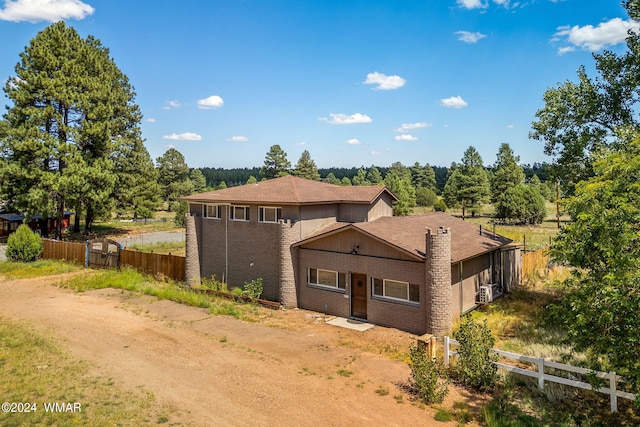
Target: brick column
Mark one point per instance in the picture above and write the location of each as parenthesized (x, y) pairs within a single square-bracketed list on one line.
[(192, 261), (288, 264), (438, 274)]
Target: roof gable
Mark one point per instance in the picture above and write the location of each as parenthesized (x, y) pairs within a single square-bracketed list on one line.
[(408, 235), (291, 190)]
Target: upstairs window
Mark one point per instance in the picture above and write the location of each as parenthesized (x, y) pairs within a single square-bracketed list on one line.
[(212, 211), (267, 214), (239, 213)]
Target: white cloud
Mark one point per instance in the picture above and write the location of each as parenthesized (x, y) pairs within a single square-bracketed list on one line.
[(406, 137), (593, 38), (384, 82), (151, 120), (238, 138), (211, 102), (186, 136), (472, 4), (375, 153), (301, 143), (44, 10), (353, 141), (172, 104), (405, 127), (511, 126), (344, 119), (453, 102), (563, 50), (469, 37)]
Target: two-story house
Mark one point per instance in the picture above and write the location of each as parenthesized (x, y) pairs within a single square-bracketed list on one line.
[(339, 250)]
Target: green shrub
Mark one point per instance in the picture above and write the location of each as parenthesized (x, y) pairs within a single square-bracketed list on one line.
[(253, 289), (425, 197), (24, 245), (440, 206), (214, 284), (476, 366), (425, 377)]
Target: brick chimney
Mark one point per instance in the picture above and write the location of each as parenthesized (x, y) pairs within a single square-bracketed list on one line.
[(438, 274)]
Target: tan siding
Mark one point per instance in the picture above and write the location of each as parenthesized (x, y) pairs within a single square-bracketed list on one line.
[(350, 212), (349, 240), (383, 206), (316, 218), (475, 272)]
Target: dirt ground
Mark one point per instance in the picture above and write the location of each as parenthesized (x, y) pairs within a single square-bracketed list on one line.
[(217, 370)]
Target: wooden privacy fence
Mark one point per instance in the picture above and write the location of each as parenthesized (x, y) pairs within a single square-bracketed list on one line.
[(170, 266), (67, 251), (539, 373)]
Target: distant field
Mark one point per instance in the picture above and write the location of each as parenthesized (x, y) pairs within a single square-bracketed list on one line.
[(533, 236)]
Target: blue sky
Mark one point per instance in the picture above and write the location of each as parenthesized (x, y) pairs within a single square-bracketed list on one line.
[(353, 82)]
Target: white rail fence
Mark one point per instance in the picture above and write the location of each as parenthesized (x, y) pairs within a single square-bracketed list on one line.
[(541, 363)]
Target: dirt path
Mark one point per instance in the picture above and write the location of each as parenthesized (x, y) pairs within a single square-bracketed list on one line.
[(216, 370)]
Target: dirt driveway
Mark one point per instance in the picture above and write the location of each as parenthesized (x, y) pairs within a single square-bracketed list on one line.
[(216, 370)]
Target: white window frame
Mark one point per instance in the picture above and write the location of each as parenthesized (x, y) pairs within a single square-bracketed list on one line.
[(393, 298), (261, 214), (232, 213), (335, 286), (218, 211)]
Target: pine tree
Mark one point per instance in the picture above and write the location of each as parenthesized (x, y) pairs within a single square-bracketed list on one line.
[(306, 167), (72, 109), (374, 176), (508, 173), (468, 184), (198, 181), (403, 190), (173, 176), (275, 163), (361, 178)]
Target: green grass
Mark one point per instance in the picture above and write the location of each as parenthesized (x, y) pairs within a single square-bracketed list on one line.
[(34, 369), (520, 322), (174, 248), (21, 270), (534, 236), (131, 280)]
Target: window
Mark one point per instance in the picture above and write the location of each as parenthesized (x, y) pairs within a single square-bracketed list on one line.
[(266, 214), (212, 211), (239, 213), (327, 278), (394, 289)]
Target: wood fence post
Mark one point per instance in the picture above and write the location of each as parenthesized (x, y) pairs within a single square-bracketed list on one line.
[(612, 391), (541, 373), (86, 254), (446, 351)]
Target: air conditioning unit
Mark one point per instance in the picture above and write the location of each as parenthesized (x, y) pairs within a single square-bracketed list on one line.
[(486, 294)]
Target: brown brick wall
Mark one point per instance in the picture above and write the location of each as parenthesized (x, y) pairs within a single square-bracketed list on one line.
[(252, 251), (382, 312)]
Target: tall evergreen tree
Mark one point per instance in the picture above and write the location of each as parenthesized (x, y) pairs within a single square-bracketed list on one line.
[(72, 108), (468, 185), (374, 176), (275, 163), (361, 178), (198, 181), (306, 167), (173, 176), (404, 191), (508, 173)]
